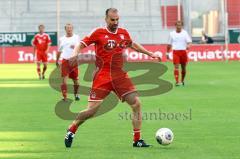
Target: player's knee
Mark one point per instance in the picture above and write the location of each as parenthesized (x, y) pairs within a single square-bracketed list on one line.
[(137, 104), (75, 82)]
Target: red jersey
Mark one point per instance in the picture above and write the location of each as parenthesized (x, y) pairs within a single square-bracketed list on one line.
[(41, 42), (109, 47)]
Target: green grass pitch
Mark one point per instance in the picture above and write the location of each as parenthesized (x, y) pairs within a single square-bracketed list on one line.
[(29, 127)]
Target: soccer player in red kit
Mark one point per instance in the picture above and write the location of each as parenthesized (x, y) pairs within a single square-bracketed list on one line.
[(41, 44), (179, 41), (110, 42)]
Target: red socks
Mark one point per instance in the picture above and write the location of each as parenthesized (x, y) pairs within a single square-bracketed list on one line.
[(76, 89), (183, 75), (176, 75), (136, 134), (64, 90), (73, 128)]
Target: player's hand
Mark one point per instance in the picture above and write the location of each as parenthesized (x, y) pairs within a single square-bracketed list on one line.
[(73, 61), (155, 56), (167, 55)]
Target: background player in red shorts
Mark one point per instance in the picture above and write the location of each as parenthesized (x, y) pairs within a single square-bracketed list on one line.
[(179, 41), (41, 44), (66, 46), (110, 42)]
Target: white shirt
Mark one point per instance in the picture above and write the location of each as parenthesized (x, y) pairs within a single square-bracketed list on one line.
[(67, 44), (180, 40)]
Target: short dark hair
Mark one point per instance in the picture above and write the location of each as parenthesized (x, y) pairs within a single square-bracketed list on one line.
[(179, 21), (65, 27), (110, 9), (41, 25)]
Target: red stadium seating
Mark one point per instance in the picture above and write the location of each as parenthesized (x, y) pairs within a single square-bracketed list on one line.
[(233, 8), (171, 15)]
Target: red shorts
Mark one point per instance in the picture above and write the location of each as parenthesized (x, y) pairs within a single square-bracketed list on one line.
[(180, 57), (103, 84), (42, 57), (68, 70)]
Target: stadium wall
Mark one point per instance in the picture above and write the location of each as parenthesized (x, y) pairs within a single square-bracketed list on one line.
[(197, 53)]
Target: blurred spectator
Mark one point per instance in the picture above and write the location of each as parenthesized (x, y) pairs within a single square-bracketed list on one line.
[(206, 39)]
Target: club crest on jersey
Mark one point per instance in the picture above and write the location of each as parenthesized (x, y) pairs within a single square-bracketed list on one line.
[(125, 44), (122, 36), (111, 44)]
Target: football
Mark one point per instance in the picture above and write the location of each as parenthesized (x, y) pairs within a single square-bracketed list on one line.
[(164, 136)]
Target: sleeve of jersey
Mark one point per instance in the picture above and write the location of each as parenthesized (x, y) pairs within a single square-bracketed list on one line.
[(90, 39), (129, 37), (189, 40)]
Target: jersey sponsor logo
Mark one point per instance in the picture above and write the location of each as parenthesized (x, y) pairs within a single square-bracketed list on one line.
[(111, 44)]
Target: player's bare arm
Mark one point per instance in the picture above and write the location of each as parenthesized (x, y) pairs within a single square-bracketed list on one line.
[(35, 50), (58, 57), (139, 48), (188, 46), (169, 47), (48, 47), (77, 49)]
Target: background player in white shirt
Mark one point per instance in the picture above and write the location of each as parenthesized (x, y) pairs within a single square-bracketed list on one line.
[(66, 46), (179, 41)]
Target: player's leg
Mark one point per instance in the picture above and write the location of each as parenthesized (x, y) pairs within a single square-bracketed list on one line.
[(64, 73), (126, 91), (176, 61), (183, 72), (76, 89), (133, 100), (98, 92), (64, 87), (91, 110), (39, 69), (183, 61), (45, 62), (44, 69), (74, 76), (39, 59), (176, 74)]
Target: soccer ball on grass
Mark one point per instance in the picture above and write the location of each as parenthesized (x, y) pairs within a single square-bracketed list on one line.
[(164, 136)]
